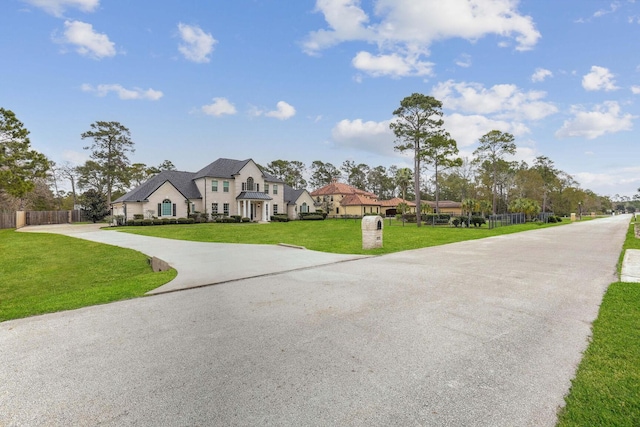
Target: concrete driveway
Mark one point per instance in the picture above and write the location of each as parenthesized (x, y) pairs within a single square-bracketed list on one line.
[(478, 333)]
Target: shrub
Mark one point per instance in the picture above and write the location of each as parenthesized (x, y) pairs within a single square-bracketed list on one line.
[(478, 221), (435, 218), (147, 222), (410, 217), (138, 216), (245, 219), (455, 222), (226, 219), (558, 218), (185, 221), (168, 221), (158, 221), (131, 222), (137, 221), (552, 219), (238, 218), (280, 218), (313, 217)]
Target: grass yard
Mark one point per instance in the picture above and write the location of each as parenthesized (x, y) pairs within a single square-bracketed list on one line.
[(44, 273), (606, 390), (342, 236)]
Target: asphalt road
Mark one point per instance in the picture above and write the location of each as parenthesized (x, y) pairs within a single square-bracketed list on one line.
[(478, 333)]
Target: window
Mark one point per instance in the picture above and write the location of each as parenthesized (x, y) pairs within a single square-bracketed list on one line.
[(337, 211), (249, 184), (266, 188), (166, 207), (214, 208), (275, 189), (225, 186), (225, 209), (214, 185), (275, 208), (304, 208)]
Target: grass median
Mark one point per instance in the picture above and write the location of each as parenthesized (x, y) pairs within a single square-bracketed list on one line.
[(606, 389), (44, 273)]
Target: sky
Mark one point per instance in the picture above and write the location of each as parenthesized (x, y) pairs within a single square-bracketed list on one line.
[(308, 80)]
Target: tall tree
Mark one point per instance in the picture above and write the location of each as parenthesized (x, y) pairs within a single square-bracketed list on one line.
[(323, 173), (109, 150), (356, 175), (403, 181), (418, 119), (439, 153), (494, 145), (20, 166), (291, 172), (549, 174), (166, 165), (69, 172)]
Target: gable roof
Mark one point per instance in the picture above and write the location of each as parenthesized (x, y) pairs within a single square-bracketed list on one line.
[(444, 204), (291, 194), (182, 181), (336, 187), (358, 200), (229, 168)]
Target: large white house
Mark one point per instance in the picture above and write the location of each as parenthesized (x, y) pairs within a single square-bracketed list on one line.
[(224, 187)]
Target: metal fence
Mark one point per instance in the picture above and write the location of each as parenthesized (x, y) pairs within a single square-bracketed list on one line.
[(501, 220)]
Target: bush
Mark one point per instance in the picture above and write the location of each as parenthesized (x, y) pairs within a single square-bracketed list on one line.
[(131, 222), (138, 216), (410, 217), (280, 218), (168, 221), (435, 218), (147, 222), (478, 221), (313, 217), (185, 221), (158, 221), (552, 219), (245, 219), (238, 218), (137, 221), (302, 215), (558, 218), (227, 220)]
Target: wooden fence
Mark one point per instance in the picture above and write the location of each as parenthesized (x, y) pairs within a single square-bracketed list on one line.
[(18, 219)]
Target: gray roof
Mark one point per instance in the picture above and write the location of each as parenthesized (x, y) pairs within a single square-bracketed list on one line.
[(228, 168), (253, 195), (292, 194), (182, 181)]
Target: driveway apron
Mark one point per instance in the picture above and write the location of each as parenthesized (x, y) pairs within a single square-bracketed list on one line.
[(477, 333)]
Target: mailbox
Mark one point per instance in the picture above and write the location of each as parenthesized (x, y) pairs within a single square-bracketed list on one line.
[(372, 232)]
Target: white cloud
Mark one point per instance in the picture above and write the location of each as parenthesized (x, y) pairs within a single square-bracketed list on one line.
[(599, 78), (219, 107), (466, 130), (283, 111), (75, 157), (604, 118), (57, 7), (123, 93), (393, 65), (540, 75), (87, 41), (197, 45), (505, 101), (406, 29), (635, 90), (612, 8), (370, 136), (464, 61)]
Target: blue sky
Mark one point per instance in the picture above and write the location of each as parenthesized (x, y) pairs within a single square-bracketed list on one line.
[(319, 80)]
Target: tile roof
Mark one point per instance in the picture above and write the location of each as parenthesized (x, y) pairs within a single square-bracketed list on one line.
[(358, 200), (443, 204), (340, 188), (182, 181), (395, 202)]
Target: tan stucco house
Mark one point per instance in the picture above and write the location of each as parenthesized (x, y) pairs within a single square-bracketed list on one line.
[(345, 200), (224, 187)]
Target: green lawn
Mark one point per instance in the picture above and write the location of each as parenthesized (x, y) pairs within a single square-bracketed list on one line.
[(44, 273), (606, 390), (332, 235)]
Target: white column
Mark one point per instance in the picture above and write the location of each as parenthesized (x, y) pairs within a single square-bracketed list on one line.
[(238, 210), (264, 211)]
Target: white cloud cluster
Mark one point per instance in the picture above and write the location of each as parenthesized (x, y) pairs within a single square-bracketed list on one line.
[(604, 118), (405, 30), (196, 45), (123, 93), (57, 7), (540, 75), (635, 90), (467, 129), (283, 111), (505, 101), (369, 136), (87, 42), (599, 78), (219, 107)]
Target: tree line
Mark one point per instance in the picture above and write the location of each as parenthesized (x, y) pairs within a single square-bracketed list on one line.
[(487, 183)]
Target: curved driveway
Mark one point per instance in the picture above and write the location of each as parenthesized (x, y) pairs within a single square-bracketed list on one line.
[(477, 333)]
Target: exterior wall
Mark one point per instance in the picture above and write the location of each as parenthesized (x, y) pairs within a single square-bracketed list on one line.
[(166, 191), (295, 208)]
